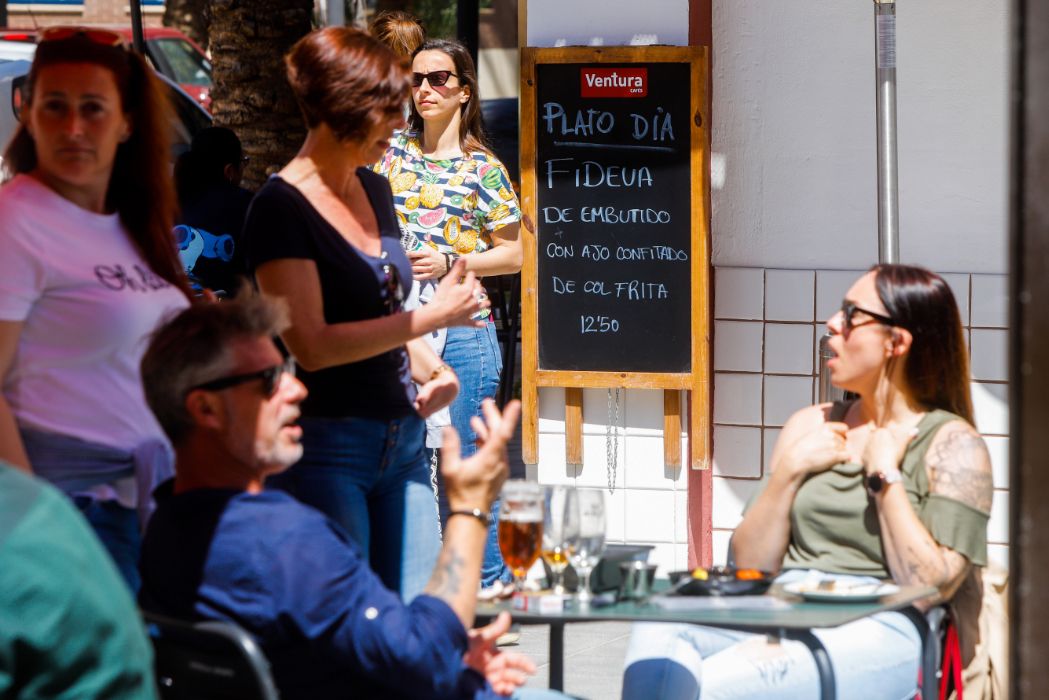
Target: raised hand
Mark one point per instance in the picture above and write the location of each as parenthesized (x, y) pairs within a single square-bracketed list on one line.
[(505, 671), (456, 302), (817, 450)]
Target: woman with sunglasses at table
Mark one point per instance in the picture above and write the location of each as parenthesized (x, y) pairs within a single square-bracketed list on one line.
[(323, 235), (894, 485), (456, 201), (88, 269)]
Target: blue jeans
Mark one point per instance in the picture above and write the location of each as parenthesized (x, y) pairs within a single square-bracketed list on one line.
[(117, 527), (372, 477), (474, 355), (875, 658)]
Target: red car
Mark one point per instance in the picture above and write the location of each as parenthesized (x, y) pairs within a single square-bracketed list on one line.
[(171, 52)]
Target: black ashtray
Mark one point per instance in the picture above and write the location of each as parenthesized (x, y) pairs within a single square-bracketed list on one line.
[(720, 580)]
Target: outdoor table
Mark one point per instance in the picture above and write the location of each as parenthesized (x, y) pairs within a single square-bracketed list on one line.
[(794, 622)]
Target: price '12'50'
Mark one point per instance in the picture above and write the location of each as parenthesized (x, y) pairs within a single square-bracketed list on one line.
[(598, 324)]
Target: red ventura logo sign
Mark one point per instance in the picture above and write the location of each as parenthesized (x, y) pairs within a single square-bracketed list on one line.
[(613, 82)]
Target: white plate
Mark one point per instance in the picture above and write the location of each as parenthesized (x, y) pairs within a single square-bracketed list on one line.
[(843, 592)]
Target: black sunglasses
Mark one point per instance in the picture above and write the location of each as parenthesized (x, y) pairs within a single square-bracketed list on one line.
[(849, 310), (270, 377), (435, 78), (392, 294)]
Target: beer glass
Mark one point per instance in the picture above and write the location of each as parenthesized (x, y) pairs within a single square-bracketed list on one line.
[(555, 547), (520, 526), (586, 538)]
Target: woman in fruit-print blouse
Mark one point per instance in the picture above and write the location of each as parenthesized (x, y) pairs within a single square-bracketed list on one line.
[(455, 201)]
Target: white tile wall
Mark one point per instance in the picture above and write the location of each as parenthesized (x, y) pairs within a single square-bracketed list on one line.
[(784, 396), (729, 496), (998, 528), (737, 451), (552, 410), (642, 411), (998, 447), (595, 462), (739, 293), (998, 554), (719, 545), (615, 515), (650, 516), (959, 284), (737, 346), (644, 467), (770, 435), (991, 406), (789, 295), (596, 411), (989, 357), (552, 468), (831, 286), (990, 301), (737, 398), (789, 348), (681, 516)]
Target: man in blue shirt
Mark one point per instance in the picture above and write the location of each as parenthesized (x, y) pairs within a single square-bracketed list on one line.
[(222, 547)]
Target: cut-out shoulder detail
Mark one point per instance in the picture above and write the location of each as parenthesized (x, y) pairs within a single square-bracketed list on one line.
[(959, 466)]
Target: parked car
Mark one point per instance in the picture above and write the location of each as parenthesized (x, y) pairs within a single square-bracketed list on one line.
[(190, 117), (172, 53)]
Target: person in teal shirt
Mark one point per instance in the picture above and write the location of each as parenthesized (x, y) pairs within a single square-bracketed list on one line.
[(68, 625)]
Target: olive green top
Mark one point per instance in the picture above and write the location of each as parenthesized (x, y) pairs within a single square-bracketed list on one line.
[(834, 523)]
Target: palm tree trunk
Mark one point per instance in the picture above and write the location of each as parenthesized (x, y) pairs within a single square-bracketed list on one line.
[(188, 17), (249, 39)]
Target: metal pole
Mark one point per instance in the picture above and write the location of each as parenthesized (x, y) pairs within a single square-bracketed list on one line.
[(888, 185), (137, 38)]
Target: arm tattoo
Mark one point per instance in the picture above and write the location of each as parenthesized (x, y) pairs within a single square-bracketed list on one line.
[(447, 577), (959, 469)]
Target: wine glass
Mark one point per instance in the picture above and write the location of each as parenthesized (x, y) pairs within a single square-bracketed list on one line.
[(555, 546), (520, 527), (586, 539)]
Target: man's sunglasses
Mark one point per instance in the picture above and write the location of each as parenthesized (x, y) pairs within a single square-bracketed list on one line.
[(849, 310), (105, 37), (435, 78), (271, 377)]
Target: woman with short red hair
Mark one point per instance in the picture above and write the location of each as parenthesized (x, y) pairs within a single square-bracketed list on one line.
[(323, 234)]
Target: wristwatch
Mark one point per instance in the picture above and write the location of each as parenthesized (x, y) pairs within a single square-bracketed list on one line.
[(483, 516), (878, 481)]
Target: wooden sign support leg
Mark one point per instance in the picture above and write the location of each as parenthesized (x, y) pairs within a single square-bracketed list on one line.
[(672, 429), (574, 428)]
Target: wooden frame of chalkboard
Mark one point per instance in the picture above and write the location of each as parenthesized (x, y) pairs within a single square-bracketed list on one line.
[(615, 202)]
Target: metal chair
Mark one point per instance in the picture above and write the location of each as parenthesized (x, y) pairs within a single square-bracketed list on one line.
[(208, 661)]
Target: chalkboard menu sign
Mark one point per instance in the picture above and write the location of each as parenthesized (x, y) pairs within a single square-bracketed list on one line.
[(615, 194), (613, 207)]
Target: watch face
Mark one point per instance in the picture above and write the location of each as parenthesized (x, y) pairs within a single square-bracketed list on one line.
[(875, 482)]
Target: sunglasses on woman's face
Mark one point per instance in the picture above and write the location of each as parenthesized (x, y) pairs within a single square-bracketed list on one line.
[(105, 37), (270, 377), (435, 78), (849, 311)]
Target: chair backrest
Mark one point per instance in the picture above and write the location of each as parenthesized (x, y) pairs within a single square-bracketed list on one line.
[(208, 661)]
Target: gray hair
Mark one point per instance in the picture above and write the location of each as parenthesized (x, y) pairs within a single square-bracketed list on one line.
[(194, 347)]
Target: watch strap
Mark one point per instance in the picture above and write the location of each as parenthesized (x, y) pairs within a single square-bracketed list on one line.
[(484, 516)]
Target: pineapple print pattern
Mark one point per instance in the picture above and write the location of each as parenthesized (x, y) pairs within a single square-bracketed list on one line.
[(452, 205)]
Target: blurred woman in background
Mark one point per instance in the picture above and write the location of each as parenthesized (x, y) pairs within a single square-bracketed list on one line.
[(212, 206), (88, 269), (455, 198)]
